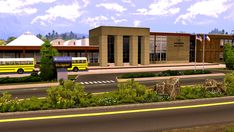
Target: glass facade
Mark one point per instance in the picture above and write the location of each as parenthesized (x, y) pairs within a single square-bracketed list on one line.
[(158, 48), (111, 42), (126, 42)]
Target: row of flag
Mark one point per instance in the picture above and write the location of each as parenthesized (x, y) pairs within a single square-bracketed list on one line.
[(198, 37)]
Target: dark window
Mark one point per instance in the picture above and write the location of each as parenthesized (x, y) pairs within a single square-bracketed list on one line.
[(126, 41), (111, 41), (139, 49)]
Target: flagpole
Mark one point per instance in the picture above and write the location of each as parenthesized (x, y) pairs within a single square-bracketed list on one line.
[(203, 53), (195, 53)]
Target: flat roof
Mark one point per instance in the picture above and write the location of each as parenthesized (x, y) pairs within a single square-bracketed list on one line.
[(68, 48), (169, 34), (120, 27)]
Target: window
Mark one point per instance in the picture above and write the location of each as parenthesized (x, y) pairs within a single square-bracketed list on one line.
[(221, 56), (161, 49), (221, 43)]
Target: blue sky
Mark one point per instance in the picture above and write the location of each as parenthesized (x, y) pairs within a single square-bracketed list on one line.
[(42, 16)]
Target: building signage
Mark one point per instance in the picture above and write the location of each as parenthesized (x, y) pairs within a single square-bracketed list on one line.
[(62, 61), (179, 43)]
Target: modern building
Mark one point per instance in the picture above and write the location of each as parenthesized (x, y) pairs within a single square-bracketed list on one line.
[(119, 45)]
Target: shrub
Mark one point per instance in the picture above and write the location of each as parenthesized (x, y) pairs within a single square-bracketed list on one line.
[(170, 73), (137, 75), (68, 95), (20, 79), (131, 92), (229, 83), (191, 92), (32, 103), (229, 56), (7, 104)]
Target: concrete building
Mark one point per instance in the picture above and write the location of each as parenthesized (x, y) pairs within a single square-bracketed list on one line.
[(110, 45), (57, 42), (121, 45)]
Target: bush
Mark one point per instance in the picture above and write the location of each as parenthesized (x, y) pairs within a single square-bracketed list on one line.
[(170, 73), (229, 56), (137, 75), (131, 92), (7, 104), (32, 103), (229, 83), (34, 78), (68, 95)]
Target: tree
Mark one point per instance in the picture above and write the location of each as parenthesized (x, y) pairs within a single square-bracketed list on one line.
[(46, 67), (2, 42), (229, 56), (10, 39)]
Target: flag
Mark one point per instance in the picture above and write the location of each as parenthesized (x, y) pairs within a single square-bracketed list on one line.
[(207, 38), (198, 37)]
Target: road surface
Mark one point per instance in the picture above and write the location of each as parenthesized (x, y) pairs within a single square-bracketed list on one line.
[(131, 118)]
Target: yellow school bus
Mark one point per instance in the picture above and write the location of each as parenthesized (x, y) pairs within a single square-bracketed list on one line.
[(79, 64), (19, 65)]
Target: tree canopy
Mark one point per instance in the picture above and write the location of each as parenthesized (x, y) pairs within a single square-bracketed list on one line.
[(46, 64)]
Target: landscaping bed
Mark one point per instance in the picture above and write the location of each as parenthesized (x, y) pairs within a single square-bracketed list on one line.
[(72, 95), (164, 73), (33, 78)]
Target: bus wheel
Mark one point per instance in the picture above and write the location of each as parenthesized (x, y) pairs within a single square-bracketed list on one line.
[(75, 69), (20, 71)]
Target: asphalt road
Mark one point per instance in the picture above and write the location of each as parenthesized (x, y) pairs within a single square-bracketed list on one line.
[(94, 88), (144, 121)]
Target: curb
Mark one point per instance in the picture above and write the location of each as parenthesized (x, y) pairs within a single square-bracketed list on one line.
[(167, 77)]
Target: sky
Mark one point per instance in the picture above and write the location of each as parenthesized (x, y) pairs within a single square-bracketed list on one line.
[(79, 16)]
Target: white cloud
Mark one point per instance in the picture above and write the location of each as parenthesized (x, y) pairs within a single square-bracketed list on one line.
[(136, 23), (160, 7), (86, 2), (112, 6), (68, 12), (129, 2), (20, 6), (95, 21), (210, 8), (116, 20)]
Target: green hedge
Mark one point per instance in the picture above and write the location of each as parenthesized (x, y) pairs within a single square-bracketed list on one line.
[(31, 78), (137, 75), (164, 73)]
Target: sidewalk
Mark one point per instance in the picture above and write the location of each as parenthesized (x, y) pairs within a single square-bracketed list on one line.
[(126, 65), (24, 86), (145, 69)]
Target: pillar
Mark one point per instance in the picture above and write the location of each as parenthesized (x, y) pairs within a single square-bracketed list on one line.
[(133, 50), (145, 44), (118, 50), (103, 53)]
